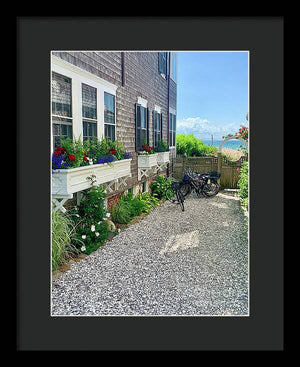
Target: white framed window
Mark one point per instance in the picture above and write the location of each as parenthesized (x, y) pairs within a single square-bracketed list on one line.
[(61, 92), (157, 128), (141, 124), (162, 63), (89, 111), (172, 128), (109, 116), (173, 66), (83, 106)]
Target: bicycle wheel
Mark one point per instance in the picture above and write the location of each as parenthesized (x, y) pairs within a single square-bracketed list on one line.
[(185, 189), (180, 199), (210, 189)]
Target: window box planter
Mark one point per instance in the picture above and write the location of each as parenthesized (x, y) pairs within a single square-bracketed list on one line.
[(163, 157), (147, 160), (69, 181)]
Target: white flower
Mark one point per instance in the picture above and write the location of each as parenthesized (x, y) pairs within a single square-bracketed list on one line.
[(90, 162), (93, 228), (97, 234), (119, 230), (83, 236), (100, 222), (108, 215), (83, 248), (77, 215)]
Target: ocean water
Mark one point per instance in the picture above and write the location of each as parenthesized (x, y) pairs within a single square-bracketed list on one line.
[(232, 144)]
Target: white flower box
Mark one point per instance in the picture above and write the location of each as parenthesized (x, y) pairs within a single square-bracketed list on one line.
[(147, 160), (69, 181), (163, 157)]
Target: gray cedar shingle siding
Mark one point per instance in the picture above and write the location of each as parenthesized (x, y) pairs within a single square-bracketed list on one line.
[(142, 79)]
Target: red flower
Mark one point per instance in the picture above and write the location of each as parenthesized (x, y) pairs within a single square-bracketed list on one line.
[(85, 158), (59, 151), (71, 157), (112, 151)]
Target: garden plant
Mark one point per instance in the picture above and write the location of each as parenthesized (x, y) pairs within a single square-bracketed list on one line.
[(75, 153)]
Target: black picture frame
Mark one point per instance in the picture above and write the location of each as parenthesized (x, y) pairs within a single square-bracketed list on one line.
[(36, 329)]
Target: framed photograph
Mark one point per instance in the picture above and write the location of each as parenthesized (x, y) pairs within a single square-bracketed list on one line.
[(144, 183)]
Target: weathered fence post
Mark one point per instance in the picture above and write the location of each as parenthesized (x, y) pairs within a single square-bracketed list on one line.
[(184, 159), (219, 166)]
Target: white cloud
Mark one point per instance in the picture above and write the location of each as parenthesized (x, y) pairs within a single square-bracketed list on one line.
[(203, 128)]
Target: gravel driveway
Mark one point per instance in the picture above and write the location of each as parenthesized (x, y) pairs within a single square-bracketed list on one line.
[(170, 263)]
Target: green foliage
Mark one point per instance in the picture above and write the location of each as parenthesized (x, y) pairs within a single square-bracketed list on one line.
[(63, 232), (74, 147), (193, 147), (162, 146), (160, 186), (96, 148), (129, 207), (243, 184), (92, 229), (92, 237), (148, 201)]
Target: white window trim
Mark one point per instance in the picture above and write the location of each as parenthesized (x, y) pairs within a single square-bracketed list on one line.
[(173, 112), (79, 77), (143, 102), (157, 109)]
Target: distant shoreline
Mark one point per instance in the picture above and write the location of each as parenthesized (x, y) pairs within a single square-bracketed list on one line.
[(231, 144)]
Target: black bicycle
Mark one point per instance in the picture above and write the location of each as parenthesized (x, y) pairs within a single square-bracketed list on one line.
[(174, 194), (205, 183)]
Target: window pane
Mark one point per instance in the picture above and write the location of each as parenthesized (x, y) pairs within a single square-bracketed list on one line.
[(89, 102), (158, 122), (61, 127), (109, 108), (143, 137), (143, 117), (138, 116), (174, 122), (174, 138), (61, 95), (109, 131), (89, 130)]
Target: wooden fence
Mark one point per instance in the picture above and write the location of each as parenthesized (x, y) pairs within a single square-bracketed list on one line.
[(229, 171)]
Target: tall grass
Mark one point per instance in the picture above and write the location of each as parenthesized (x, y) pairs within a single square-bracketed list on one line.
[(63, 230)]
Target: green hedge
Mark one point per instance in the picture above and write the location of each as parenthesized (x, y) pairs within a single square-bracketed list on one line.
[(191, 146), (243, 184)]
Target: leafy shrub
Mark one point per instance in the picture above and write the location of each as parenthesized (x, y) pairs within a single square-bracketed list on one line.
[(63, 232), (160, 186), (162, 146), (120, 212), (90, 216), (243, 184), (191, 146), (148, 201), (129, 207)]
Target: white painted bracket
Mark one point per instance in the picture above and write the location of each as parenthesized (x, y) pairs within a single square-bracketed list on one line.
[(59, 200), (161, 167), (143, 173)]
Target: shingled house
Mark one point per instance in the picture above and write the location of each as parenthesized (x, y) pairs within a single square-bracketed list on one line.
[(129, 96)]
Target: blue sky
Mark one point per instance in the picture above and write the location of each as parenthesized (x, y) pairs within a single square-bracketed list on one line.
[(212, 93)]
